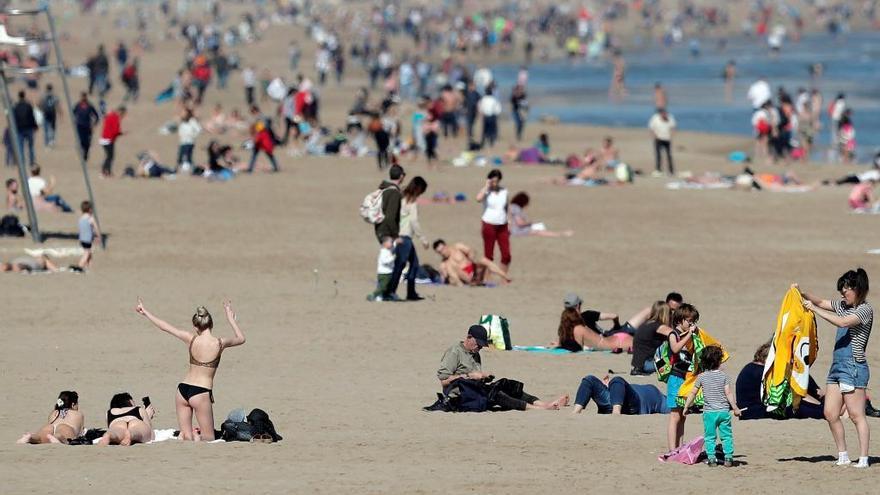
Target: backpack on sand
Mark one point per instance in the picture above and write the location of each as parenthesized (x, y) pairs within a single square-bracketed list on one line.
[(371, 207)]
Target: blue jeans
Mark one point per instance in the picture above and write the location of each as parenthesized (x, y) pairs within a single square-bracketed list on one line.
[(844, 368), (623, 395), (404, 253), (593, 388), (48, 131), (519, 124), (58, 201), (27, 135), (254, 160), (185, 154)]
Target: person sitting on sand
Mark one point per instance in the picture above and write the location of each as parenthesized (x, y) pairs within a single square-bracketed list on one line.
[(748, 393), (65, 422), (462, 361), (861, 196), (14, 202), (617, 396), (649, 336), (30, 264), (128, 424), (609, 153), (575, 335), (194, 394), (580, 171), (150, 167), (217, 122), (520, 224), (460, 266)]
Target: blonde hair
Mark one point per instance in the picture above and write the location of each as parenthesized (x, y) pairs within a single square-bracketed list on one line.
[(660, 312), (202, 319)]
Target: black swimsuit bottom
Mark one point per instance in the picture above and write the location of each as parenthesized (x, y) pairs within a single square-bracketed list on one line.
[(188, 391)]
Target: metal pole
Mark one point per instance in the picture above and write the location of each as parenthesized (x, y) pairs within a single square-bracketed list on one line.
[(19, 157), (62, 70)]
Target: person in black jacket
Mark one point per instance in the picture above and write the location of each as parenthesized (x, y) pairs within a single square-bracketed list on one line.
[(390, 225), (86, 118), (26, 124)]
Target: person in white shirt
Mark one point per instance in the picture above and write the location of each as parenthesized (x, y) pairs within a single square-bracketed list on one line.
[(249, 77), (384, 267), (187, 131), (836, 113), (42, 190), (490, 108), (662, 125), (494, 199)]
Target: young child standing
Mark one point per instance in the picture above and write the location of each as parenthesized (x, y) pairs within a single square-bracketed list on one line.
[(384, 267), (684, 324), (717, 403), (88, 234)]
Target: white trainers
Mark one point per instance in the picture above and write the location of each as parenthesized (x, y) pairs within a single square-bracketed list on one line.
[(843, 462)]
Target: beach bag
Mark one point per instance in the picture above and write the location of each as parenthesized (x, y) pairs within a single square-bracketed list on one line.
[(498, 329), (663, 361), (371, 207), (688, 453)]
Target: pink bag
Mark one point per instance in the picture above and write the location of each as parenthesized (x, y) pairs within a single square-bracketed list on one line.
[(688, 453)]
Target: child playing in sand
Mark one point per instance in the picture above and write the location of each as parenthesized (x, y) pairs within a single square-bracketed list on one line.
[(384, 267), (88, 233), (684, 324), (718, 402)]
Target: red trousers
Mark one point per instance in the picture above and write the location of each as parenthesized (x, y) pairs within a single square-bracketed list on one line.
[(491, 234)]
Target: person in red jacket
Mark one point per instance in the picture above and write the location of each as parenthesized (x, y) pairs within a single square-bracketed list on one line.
[(263, 141), (112, 130)]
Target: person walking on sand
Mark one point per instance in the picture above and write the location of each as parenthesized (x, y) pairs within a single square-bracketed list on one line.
[(26, 125), (662, 125), (194, 394), (848, 377), (729, 80), (89, 233), (490, 109), (494, 220), (111, 132), (390, 224), (86, 118)]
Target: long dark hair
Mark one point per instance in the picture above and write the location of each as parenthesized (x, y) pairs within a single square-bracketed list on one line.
[(121, 400), (416, 187), (569, 319), (856, 280), (66, 400)]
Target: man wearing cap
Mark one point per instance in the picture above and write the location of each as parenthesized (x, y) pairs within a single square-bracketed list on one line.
[(462, 361)]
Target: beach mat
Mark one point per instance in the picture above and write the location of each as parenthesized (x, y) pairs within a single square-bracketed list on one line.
[(553, 350)]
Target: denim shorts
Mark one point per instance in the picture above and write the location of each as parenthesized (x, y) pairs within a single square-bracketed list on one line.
[(672, 385), (849, 372)]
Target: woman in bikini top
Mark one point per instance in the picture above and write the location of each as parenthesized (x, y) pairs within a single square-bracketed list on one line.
[(128, 424), (194, 393), (65, 422)]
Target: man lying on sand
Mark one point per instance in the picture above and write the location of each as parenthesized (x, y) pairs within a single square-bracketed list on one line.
[(462, 362), (460, 267), (29, 264)]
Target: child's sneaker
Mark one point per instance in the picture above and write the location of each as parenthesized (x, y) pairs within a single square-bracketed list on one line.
[(712, 462), (843, 462), (862, 464), (728, 463)]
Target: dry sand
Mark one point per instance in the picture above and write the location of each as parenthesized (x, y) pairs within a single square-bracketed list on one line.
[(345, 379)]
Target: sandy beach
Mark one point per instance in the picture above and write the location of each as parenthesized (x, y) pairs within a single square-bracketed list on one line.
[(344, 379)]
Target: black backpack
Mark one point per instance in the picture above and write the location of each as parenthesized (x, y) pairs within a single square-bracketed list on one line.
[(10, 226)]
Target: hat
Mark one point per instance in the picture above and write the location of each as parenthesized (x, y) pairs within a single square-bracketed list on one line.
[(478, 332), (571, 300)]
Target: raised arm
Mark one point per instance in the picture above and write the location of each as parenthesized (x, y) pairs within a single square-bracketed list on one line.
[(483, 192), (163, 325), (817, 301), (238, 339)]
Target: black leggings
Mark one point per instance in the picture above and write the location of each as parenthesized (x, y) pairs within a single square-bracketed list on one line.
[(507, 402)]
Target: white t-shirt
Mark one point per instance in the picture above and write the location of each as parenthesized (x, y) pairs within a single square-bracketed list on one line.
[(873, 174), (495, 207), (662, 129), (759, 93), (385, 263), (36, 185), (188, 131), (837, 109), (489, 106)]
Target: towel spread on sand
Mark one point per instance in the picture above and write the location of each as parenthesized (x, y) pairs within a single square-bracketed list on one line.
[(552, 350), (681, 184), (57, 252), (792, 351)]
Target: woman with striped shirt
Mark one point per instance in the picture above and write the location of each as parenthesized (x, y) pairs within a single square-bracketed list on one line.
[(849, 374)]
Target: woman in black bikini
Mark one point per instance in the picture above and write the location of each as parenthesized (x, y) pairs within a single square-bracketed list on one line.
[(127, 423), (194, 393), (64, 423)]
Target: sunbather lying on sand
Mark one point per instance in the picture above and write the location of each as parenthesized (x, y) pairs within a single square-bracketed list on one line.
[(460, 266)]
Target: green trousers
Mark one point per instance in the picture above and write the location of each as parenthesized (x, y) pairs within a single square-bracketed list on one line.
[(720, 421)]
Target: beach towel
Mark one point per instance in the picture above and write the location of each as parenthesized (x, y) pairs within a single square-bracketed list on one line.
[(165, 95), (688, 453), (700, 340), (553, 350), (498, 329), (56, 252), (792, 350), (677, 185)]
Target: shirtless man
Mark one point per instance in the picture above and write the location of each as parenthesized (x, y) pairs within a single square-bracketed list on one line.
[(459, 265), (450, 103), (29, 264), (610, 153)]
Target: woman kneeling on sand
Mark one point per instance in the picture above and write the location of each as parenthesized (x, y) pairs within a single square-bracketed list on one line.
[(127, 423), (65, 422), (194, 394)]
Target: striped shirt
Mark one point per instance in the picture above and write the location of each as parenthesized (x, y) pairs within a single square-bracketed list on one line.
[(713, 383), (862, 330)]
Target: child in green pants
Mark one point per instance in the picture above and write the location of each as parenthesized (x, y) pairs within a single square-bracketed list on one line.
[(717, 403)]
